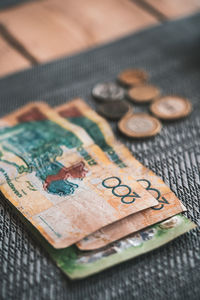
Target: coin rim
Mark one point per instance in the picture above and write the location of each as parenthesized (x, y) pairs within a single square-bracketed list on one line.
[(155, 111), (124, 82), (140, 100), (107, 99), (130, 109), (129, 133)]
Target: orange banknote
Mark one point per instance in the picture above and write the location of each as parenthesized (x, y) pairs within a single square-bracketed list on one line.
[(79, 113), (63, 183)]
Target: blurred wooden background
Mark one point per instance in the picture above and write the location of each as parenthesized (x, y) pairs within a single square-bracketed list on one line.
[(43, 30)]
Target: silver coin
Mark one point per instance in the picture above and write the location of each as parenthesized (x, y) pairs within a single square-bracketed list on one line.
[(108, 91)]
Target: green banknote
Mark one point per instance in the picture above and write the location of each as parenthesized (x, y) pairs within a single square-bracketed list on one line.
[(78, 264)]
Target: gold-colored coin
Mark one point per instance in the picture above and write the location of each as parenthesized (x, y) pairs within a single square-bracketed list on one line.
[(143, 93), (171, 107), (132, 77), (139, 125)]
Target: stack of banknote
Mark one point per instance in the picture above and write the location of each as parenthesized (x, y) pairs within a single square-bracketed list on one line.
[(88, 201)]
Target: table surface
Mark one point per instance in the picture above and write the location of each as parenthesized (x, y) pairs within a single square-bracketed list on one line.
[(170, 55), (38, 31)]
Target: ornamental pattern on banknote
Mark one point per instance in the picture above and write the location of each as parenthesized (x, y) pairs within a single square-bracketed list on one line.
[(38, 145), (127, 197), (74, 115), (161, 200)]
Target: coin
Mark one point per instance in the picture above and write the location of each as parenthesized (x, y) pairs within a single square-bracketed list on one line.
[(139, 125), (171, 107), (131, 77), (108, 91), (143, 93), (114, 110)]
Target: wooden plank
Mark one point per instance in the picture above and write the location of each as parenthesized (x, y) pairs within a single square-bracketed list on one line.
[(10, 60), (175, 8), (54, 28)]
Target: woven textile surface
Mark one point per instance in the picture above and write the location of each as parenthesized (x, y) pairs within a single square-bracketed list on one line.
[(171, 55), (8, 3)]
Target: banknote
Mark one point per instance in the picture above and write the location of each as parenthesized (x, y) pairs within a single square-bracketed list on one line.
[(79, 264), (79, 113), (63, 183)]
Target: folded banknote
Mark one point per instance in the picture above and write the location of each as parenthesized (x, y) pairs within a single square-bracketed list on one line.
[(79, 113), (79, 264), (63, 183), (66, 187)]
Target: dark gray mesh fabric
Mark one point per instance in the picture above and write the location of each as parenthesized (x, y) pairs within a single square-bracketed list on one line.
[(171, 55), (8, 3)]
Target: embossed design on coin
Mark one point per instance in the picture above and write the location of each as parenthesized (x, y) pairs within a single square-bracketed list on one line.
[(143, 93), (171, 107), (132, 77), (113, 110), (108, 91), (139, 125)]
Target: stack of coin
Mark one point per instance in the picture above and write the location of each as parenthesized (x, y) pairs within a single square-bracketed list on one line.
[(112, 97), (115, 107)]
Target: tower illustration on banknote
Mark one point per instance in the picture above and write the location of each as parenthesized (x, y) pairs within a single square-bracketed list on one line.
[(37, 145)]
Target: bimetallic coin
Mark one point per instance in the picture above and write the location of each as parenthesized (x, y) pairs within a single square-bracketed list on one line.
[(114, 110), (171, 107), (143, 93), (108, 91), (132, 77), (139, 125)]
